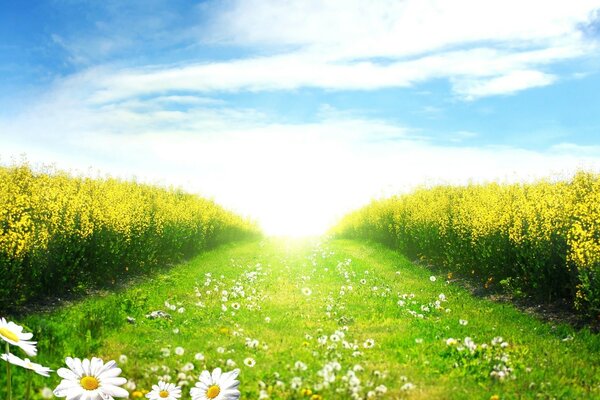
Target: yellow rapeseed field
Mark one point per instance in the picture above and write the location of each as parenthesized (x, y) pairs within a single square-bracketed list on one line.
[(59, 231), (541, 238)]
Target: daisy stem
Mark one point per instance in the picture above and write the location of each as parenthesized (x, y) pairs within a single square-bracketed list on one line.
[(28, 391), (8, 379)]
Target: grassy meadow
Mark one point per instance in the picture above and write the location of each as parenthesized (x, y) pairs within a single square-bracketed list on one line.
[(330, 318), (336, 319)]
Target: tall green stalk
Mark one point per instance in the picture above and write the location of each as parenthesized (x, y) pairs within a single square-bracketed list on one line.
[(28, 391), (8, 378)]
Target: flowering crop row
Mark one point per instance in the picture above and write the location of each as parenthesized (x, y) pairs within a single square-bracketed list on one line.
[(57, 231), (542, 238)]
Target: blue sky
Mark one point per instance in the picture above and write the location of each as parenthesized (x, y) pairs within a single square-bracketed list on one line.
[(295, 112)]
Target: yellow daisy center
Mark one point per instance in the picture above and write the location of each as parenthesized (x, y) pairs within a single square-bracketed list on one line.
[(89, 383), (213, 391), (10, 335), (164, 394)]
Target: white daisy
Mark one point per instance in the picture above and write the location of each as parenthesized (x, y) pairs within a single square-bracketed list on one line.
[(463, 322), (163, 390), (37, 368), (250, 362), (179, 351), (13, 334), (432, 278), (90, 380), (217, 386), (306, 291)]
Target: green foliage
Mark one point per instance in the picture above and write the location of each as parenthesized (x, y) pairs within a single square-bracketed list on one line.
[(545, 361), (540, 239), (59, 232)]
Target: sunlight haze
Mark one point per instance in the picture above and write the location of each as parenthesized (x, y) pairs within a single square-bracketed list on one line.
[(294, 113)]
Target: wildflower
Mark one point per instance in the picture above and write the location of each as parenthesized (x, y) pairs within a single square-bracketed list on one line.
[(230, 363), (199, 356), (451, 342), (137, 394), (92, 380), (432, 278), (306, 291), (267, 320), (381, 389), (407, 387), (179, 351), (122, 358), (46, 393), (219, 386), (463, 322), (164, 390), (37, 368), (13, 334), (299, 365), (369, 343), (250, 362)]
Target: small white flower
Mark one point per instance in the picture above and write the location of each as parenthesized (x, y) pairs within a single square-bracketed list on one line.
[(91, 380), (299, 365), (267, 320), (179, 351), (199, 356), (250, 362), (217, 386), (463, 322), (164, 390), (13, 334), (230, 363), (37, 368), (123, 359), (46, 393), (306, 291), (407, 387), (181, 310), (432, 278), (369, 343)]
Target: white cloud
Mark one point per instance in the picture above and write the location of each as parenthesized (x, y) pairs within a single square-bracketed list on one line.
[(391, 28), (504, 84), (483, 47)]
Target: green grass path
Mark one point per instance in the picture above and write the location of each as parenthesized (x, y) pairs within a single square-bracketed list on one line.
[(336, 317)]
